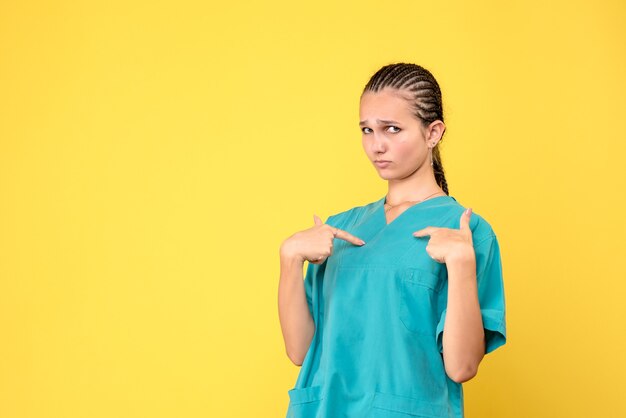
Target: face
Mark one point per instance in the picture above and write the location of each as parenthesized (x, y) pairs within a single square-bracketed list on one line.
[(391, 133)]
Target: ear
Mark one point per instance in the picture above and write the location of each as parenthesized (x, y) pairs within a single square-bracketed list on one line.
[(435, 131)]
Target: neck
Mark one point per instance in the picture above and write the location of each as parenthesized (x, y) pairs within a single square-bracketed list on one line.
[(415, 187)]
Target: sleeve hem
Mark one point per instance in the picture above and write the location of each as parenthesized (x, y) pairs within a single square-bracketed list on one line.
[(493, 323), (495, 329)]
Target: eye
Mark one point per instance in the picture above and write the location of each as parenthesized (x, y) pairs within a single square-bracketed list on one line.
[(390, 126)]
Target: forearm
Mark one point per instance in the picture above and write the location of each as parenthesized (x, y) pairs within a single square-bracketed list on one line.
[(463, 335), (295, 319)]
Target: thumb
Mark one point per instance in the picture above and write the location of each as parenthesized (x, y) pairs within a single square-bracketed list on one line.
[(317, 220), (465, 218)]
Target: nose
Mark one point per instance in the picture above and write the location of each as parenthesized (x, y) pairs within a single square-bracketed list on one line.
[(378, 144)]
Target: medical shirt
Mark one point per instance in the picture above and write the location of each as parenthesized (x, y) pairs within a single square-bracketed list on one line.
[(379, 311)]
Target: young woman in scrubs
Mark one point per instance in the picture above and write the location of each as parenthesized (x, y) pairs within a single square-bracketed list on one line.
[(403, 296)]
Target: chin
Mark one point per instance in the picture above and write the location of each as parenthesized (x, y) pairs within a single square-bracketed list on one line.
[(385, 176)]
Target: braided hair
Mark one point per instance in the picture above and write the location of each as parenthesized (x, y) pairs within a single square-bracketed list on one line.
[(424, 98)]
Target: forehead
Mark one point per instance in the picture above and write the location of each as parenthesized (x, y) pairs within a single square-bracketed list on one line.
[(385, 104)]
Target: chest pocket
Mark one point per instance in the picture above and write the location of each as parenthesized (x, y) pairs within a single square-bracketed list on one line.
[(419, 291)]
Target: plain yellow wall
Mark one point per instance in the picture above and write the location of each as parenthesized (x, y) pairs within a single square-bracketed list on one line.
[(154, 155)]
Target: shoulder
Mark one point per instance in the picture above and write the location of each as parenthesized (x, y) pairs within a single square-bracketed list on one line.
[(481, 228)]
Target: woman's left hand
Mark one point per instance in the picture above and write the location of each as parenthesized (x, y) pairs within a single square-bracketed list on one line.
[(447, 244)]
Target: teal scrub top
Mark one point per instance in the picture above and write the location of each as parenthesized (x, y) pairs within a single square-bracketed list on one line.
[(379, 312)]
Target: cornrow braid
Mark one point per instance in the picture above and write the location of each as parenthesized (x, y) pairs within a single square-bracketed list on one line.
[(424, 96)]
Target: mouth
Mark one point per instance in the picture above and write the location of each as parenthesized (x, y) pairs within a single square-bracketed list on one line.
[(382, 161)]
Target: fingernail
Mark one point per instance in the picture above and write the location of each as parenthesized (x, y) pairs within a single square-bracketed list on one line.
[(362, 242), (468, 211)]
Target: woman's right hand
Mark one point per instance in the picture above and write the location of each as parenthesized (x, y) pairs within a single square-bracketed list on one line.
[(315, 244)]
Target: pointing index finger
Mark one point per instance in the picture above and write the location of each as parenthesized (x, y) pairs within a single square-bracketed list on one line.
[(425, 231), (346, 236)]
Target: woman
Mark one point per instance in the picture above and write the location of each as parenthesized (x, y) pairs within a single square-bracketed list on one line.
[(403, 296)]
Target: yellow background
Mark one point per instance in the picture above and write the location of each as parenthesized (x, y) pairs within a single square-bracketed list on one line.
[(154, 155)]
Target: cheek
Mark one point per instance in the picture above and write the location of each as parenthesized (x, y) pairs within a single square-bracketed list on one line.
[(407, 148), (408, 152)]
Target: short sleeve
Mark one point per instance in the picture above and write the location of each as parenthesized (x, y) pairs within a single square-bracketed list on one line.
[(490, 294)]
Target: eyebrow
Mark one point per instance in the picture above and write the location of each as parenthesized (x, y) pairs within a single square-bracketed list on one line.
[(363, 122)]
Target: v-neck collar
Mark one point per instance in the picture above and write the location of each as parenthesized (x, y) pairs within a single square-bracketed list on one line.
[(379, 210), (373, 227)]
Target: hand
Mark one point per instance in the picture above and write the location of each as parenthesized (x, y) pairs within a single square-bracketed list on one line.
[(446, 244), (316, 243)]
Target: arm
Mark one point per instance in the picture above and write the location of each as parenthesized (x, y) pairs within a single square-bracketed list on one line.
[(296, 322), (463, 336)]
